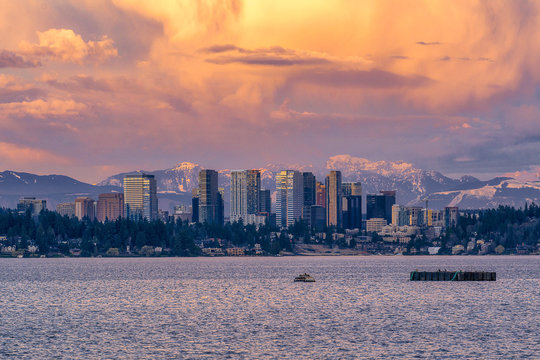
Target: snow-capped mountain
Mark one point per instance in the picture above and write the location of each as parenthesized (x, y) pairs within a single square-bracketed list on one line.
[(413, 185), (502, 191), (180, 179), (175, 185), (53, 188)]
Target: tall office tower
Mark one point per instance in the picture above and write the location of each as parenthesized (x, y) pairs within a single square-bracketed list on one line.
[(31, 203), (433, 217), (375, 206), (195, 206), (85, 207), (110, 206), (245, 194), (317, 217), (220, 207), (66, 209), (351, 188), (380, 205), (289, 197), (334, 199), (352, 205), (266, 202), (140, 197), (321, 194), (310, 189), (209, 198), (415, 215), (389, 201), (310, 195), (451, 216), (400, 215), (238, 194)]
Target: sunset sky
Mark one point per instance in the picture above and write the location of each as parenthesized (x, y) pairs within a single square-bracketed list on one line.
[(90, 88)]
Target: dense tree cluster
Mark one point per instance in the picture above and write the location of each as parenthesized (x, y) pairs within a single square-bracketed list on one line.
[(506, 226), (60, 233), (50, 232)]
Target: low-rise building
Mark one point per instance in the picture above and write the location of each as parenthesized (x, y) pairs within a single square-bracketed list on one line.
[(375, 224), (236, 251), (66, 209)]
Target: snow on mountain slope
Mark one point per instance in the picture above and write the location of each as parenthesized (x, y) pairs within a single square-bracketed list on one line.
[(506, 192), (412, 184)]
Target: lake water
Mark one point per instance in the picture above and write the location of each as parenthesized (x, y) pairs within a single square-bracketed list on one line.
[(360, 307)]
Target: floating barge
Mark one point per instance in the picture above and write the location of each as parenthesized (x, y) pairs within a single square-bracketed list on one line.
[(453, 275)]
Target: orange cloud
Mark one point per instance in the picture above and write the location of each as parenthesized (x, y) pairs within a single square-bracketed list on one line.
[(387, 76), (41, 108), (67, 46)]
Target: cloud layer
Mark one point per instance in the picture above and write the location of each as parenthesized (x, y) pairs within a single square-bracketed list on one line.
[(124, 84)]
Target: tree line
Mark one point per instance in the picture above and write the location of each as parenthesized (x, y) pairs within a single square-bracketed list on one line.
[(505, 225), (51, 232)]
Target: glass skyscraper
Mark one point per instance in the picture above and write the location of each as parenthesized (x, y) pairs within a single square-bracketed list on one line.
[(245, 194), (210, 199), (334, 199), (289, 197), (140, 197)]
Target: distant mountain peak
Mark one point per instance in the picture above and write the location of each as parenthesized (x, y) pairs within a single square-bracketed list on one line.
[(185, 165), (468, 179), (350, 164)]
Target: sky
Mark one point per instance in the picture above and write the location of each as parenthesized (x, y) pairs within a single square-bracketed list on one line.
[(91, 88)]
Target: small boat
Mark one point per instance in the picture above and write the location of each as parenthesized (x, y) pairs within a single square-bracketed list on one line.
[(305, 277)]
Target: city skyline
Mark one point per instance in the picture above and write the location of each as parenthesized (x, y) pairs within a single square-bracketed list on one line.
[(97, 88)]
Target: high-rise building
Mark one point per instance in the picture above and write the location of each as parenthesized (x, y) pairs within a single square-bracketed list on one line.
[(389, 201), (317, 217), (380, 205), (400, 215), (321, 194), (433, 217), (31, 203), (66, 209), (220, 207), (289, 197), (85, 207), (334, 199), (195, 207), (110, 206), (210, 200), (266, 202), (351, 188), (415, 215), (140, 197), (451, 216), (352, 212), (245, 194), (310, 195), (238, 194), (352, 205)]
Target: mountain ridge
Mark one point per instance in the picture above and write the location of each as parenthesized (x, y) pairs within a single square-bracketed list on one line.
[(413, 185)]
